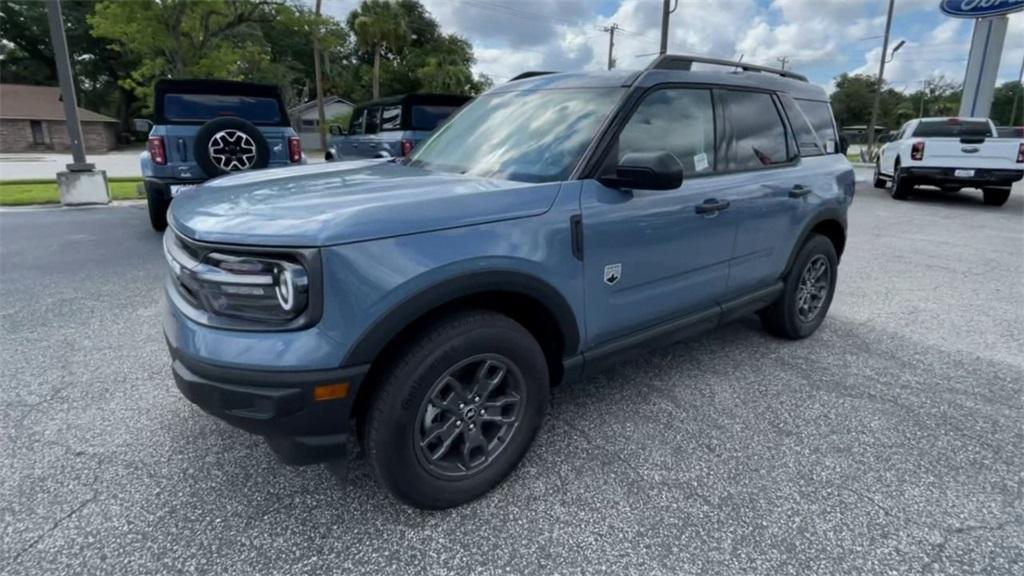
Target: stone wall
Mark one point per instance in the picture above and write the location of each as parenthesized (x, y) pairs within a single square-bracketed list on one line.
[(98, 136), (16, 136)]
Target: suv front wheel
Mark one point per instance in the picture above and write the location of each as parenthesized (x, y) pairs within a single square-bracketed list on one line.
[(807, 292), (458, 410)]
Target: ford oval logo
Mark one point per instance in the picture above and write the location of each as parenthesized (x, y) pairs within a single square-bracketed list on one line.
[(969, 149), (979, 8)]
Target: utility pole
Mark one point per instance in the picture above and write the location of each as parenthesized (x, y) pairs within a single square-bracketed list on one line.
[(319, 82), (783, 61), (666, 12), (881, 80), (81, 183), (611, 43)]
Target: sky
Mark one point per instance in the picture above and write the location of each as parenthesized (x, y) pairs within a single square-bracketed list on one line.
[(819, 38)]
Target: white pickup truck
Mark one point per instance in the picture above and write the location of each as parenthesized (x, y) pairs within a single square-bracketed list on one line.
[(951, 153)]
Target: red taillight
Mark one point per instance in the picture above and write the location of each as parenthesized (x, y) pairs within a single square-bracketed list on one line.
[(157, 153), (406, 146), (294, 149), (917, 150), (1020, 153)]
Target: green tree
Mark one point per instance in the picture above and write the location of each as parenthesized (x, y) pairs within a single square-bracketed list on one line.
[(181, 38), (1003, 104), (26, 55), (853, 98), (379, 25)]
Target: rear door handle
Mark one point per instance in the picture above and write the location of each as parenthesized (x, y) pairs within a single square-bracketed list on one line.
[(799, 191), (711, 205)]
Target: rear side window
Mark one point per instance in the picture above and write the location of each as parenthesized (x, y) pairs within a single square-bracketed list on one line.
[(806, 139), (358, 123), (753, 134), (680, 121), (391, 117), (428, 117), (819, 114), (203, 107), (372, 125), (952, 128)]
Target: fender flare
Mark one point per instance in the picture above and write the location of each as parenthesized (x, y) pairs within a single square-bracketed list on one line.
[(827, 214), (369, 344)]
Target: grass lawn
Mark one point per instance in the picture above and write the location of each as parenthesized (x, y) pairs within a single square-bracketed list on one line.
[(26, 192)]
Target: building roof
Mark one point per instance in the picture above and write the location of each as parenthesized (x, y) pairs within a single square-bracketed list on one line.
[(23, 102), (312, 104)]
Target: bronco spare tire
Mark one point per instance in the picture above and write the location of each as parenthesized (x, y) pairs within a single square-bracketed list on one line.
[(230, 144)]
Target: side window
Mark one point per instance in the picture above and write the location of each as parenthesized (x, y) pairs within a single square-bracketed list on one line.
[(753, 135), (680, 121), (806, 140), (819, 114), (391, 117), (373, 120), (357, 125)]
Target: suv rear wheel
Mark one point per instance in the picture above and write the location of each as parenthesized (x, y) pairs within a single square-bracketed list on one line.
[(458, 410), (900, 187), (158, 205), (879, 181), (807, 292), (996, 196)]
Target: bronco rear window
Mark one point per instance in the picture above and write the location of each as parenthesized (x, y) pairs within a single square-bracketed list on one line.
[(952, 128), (203, 107)]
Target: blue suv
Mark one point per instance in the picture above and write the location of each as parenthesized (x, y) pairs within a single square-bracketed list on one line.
[(202, 129), (425, 306)]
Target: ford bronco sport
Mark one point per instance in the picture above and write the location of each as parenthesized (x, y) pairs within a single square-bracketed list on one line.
[(205, 128), (425, 306)]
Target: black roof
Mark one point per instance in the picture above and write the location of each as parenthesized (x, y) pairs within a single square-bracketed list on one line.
[(423, 98), (216, 87)]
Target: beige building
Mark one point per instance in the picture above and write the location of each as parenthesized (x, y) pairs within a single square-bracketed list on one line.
[(32, 119)]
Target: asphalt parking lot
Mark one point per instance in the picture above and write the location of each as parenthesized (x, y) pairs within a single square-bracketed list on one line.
[(892, 442)]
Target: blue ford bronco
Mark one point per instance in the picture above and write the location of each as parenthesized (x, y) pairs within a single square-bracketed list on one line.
[(202, 129), (425, 306)]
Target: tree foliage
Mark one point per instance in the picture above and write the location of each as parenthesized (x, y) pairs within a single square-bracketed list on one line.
[(936, 96)]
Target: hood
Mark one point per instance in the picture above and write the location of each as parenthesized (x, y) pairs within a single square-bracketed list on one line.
[(337, 203)]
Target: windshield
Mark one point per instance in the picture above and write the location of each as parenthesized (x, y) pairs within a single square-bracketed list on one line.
[(530, 136)]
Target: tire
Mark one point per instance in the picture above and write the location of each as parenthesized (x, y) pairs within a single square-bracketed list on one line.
[(158, 205), (900, 187), (417, 390), (880, 182), (241, 144), (785, 317), (996, 196)]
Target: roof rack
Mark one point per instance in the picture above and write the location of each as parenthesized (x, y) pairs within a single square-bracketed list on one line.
[(679, 62), (531, 74)]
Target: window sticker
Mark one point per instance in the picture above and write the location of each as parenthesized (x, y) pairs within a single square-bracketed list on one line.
[(700, 162), (830, 146)]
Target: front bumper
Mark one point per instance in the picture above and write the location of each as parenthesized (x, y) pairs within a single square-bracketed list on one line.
[(983, 177), (277, 405)]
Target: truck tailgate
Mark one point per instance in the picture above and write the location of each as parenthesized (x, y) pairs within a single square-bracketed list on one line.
[(993, 153)]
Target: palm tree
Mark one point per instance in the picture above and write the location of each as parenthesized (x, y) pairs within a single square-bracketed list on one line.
[(447, 68), (380, 24)]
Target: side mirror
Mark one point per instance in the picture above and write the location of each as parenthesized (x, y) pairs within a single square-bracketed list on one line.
[(844, 144), (141, 125), (646, 171), (336, 130)]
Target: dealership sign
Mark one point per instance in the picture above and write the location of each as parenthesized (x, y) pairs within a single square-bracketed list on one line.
[(980, 8)]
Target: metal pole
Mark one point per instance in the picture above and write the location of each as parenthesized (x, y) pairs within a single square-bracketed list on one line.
[(611, 44), (67, 87), (881, 80), (665, 11), (322, 122)]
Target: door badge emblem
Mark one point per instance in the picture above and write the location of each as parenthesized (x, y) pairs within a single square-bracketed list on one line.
[(612, 273)]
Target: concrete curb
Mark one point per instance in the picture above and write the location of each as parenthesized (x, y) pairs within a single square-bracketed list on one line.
[(38, 207)]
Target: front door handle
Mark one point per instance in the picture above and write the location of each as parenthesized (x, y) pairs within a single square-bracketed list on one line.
[(711, 205), (799, 191)]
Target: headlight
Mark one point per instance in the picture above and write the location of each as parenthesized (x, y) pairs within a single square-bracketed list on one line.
[(270, 289)]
